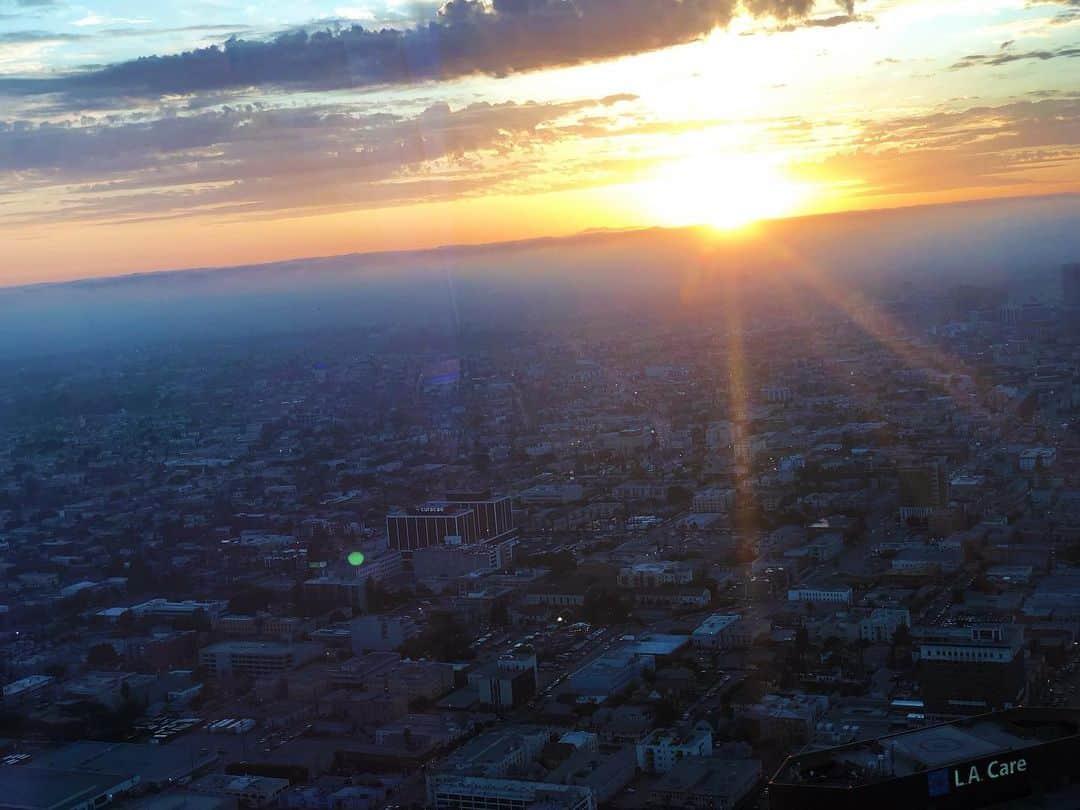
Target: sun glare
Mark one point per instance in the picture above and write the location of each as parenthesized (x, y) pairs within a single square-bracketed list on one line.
[(723, 192)]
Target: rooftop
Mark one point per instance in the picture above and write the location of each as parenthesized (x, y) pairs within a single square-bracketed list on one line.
[(258, 647), (658, 644), (929, 748), (30, 788), (154, 764), (716, 623), (709, 776), (512, 789)]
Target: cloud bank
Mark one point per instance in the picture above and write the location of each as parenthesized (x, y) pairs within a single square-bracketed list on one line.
[(249, 158), (467, 37)]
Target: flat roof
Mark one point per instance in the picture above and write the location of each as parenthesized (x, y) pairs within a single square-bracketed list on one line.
[(930, 748), (708, 775), (186, 801), (155, 764), (519, 789), (254, 647), (29, 682), (716, 623), (658, 644), (31, 788)]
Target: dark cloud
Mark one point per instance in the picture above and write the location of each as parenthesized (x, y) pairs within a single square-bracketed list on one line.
[(1007, 56), (466, 37), (835, 20), (822, 22)]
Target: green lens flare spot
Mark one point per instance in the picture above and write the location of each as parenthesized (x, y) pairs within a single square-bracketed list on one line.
[(356, 558)]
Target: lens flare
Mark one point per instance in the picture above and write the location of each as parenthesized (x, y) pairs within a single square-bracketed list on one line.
[(725, 192)]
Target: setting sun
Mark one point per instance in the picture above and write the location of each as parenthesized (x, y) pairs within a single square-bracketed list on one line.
[(724, 192)]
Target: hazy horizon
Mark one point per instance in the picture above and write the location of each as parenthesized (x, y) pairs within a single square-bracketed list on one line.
[(663, 273), (745, 235)]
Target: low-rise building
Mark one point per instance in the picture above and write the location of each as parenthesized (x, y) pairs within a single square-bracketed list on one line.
[(608, 674), (255, 659), (507, 682), (840, 596), (786, 717), (881, 625), (248, 791), (707, 783), (714, 500), (605, 774), (729, 631), (497, 754), (451, 792), (28, 690), (33, 788), (655, 574), (381, 632), (388, 673), (665, 747), (552, 494), (674, 597), (165, 609)]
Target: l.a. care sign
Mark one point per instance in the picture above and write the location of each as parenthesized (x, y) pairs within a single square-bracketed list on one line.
[(960, 777)]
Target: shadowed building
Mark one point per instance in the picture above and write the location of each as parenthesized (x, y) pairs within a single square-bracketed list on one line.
[(977, 762)]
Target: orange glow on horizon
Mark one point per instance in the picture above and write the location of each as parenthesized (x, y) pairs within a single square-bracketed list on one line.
[(62, 251), (725, 192)]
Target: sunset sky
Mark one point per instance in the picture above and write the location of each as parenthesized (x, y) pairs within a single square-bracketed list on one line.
[(132, 137)]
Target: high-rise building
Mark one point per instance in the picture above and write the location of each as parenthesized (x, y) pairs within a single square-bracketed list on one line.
[(494, 513), (431, 525), (461, 518)]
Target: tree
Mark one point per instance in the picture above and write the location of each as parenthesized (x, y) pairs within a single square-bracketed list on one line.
[(902, 636), (605, 606), (444, 639), (250, 600), (125, 622), (560, 562), (666, 712), (102, 656), (834, 646), (679, 496), (802, 644), (860, 648), (900, 649)]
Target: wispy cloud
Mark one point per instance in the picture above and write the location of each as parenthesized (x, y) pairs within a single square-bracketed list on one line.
[(253, 159), (962, 149), (1006, 56), (11, 37)]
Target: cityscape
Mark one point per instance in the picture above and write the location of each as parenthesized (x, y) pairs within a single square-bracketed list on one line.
[(539, 405), (824, 557)]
